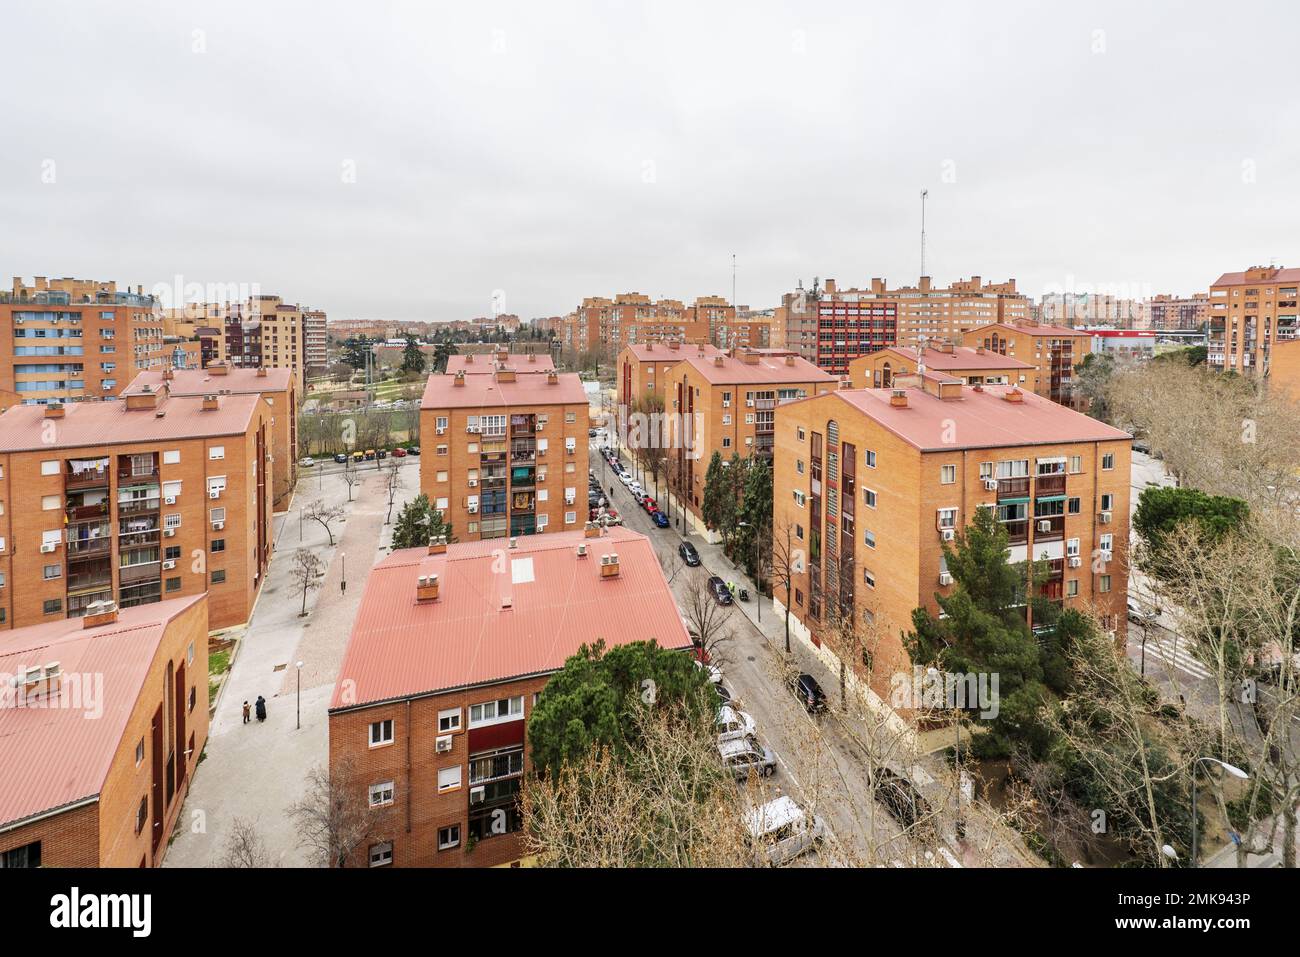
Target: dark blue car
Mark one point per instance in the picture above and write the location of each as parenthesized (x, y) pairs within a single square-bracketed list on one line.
[(660, 519)]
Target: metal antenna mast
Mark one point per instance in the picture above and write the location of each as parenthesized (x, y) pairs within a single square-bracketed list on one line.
[(924, 194)]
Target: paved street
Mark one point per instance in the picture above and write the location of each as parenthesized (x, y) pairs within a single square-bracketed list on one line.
[(824, 762), (255, 772)]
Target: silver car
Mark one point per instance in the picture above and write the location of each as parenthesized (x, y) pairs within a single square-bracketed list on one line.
[(747, 756), (734, 725)]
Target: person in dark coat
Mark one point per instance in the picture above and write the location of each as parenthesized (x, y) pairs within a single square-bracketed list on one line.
[(261, 708)]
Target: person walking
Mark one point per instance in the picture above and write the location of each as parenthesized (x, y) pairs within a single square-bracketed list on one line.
[(261, 708), (247, 712)]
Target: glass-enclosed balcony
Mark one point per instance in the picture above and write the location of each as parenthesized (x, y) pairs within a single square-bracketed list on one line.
[(86, 473)]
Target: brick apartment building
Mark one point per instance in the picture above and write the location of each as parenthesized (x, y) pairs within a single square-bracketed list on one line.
[(63, 340), (1172, 313), (505, 454), (877, 370), (101, 728), (315, 342), (278, 391), (611, 324), (1054, 352), (644, 367), (727, 404), (449, 651), (134, 500), (1092, 309), (1251, 312), (872, 482)]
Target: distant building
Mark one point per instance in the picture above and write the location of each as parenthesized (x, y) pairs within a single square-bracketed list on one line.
[(978, 365), (1054, 352), (1250, 312)]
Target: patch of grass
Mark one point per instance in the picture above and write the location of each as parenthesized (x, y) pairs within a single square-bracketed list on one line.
[(218, 663)]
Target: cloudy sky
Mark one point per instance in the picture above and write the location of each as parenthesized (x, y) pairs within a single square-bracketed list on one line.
[(405, 161)]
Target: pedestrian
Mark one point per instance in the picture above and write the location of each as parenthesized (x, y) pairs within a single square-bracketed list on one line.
[(261, 708), (247, 712)]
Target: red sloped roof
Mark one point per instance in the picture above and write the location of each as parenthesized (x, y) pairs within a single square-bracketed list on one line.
[(56, 756), (201, 381), (557, 602), (520, 362), (770, 369), (484, 391)]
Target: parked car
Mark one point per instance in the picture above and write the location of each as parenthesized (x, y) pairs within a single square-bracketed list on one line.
[(340, 457), (307, 462), (715, 676), (370, 455), (381, 453), (412, 450), (591, 433), (783, 830), (649, 504), (747, 756), (724, 692), (399, 453), (903, 801), (689, 555), (634, 487), (721, 593), (733, 725), (1140, 614), (660, 519), (358, 456), (807, 690)]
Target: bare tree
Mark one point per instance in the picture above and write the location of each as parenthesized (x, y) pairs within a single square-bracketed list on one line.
[(307, 571), (350, 476), (393, 480), (787, 560), (245, 847), (334, 816), (322, 513), (708, 622)]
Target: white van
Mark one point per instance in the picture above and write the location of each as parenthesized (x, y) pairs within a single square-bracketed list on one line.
[(782, 830)]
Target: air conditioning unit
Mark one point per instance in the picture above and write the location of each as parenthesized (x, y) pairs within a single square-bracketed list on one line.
[(443, 743), (169, 532), (476, 795), (473, 509), (473, 428), (991, 485), (47, 547), (726, 405), (19, 322), (1075, 561), (947, 534), (169, 563), (473, 483), (441, 431), (1105, 555), (214, 493), (1045, 526), (945, 579), (1104, 518), (170, 500), (749, 403), (218, 526)]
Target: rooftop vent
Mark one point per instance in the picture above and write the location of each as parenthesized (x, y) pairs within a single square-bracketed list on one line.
[(469, 358), (514, 542), (1014, 395), (426, 588), (505, 375), (582, 550), (99, 613), (789, 360), (898, 398), (609, 565), (717, 360), (261, 371), (532, 357), (591, 530), (460, 377), (211, 402), (217, 368), (552, 378), (438, 545), (54, 410)]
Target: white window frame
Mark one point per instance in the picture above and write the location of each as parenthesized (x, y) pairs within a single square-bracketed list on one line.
[(216, 452), (482, 707), (379, 791), (381, 741), (450, 778), (445, 714)]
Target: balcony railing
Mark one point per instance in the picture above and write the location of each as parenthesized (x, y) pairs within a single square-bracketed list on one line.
[(135, 539), (137, 506), (134, 574), (95, 578), (128, 475), (1017, 531), (1013, 488), (1050, 484), (88, 547), (78, 513), (1055, 528), (86, 478)]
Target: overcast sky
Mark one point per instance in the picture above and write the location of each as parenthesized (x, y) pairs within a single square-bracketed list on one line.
[(406, 161)]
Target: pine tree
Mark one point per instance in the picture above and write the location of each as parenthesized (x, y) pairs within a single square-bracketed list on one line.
[(412, 356), (417, 523)]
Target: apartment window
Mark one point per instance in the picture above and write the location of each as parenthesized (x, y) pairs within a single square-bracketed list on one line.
[(448, 837), (381, 794), (868, 578), (947, 518), (448, 720), (495, 712), (440, 422), (381, 732), (871, 459), (1108, 461), (139, 752), (870, 538), (570, 518), (1076, 464), (53, 571), (947, 474), (381, 855), (217, 515), (441, 477), (217, 483), (218, 576), (1018, 468), (51, 502), (726, 420), (448, 778), (1103, 584), (50, 467), (218, 545), (1072, 548), (141, 814), (217, 452), (442, 450), (986, 470), (800, 433), (1072, 588), (1107, 542), (570, 417), (800, 498), (53, 606), (1107, 502), (1074, 506), (172, 520), (441, 505), (869, 497), (173, 584)]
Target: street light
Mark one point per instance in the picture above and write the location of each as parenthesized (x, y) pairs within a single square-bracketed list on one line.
[(343, 581), (300, 696), (1235, 771)]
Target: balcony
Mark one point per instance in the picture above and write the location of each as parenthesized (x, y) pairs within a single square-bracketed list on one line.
[(1049, 484), (1055, 568), (1055, 529), (91, 577), (80, 548), (135, 539), (1017, 531), (133, 475), (522, 453), (137, 506), (86, 478), (80, 513), (1013, 488), (135, 574)]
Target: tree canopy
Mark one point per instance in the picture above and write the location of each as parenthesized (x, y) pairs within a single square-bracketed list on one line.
[(412, 356), (417, 523)]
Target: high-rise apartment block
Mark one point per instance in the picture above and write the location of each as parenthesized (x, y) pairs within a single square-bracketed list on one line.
[(1250, 312)]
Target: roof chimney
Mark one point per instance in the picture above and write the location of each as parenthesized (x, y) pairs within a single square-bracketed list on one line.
[(505, 375), (460, 377), (168, 374), (261, 371), (99, 613), (469, 358), (898, 398), (552, 378), (674, 344), (426, 588), (532, 357), (54, 410), (717, 360), (438, 545), (591, 530), (211, 402), (218, 368), (609, 565), (750, 357), (789, 359), (1014, 395), (146, 398)]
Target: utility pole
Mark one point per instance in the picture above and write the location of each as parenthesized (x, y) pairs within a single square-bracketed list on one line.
[(733, 280), (924, 194)]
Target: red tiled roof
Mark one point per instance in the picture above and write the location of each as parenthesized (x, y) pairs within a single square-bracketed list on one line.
[(1239, 278), (201, 381), (962, 357), (982, 419), (768, 369), (484, 391), (558, 602), (56, 756), (23, 427), (662, 352), (487, 363), (1040, 330)]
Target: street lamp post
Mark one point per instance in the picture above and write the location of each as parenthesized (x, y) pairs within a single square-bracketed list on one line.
[(1235, 771), (299, 696), (343, 581)]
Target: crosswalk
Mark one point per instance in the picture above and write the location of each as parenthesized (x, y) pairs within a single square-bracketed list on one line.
[(1164, 647)]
